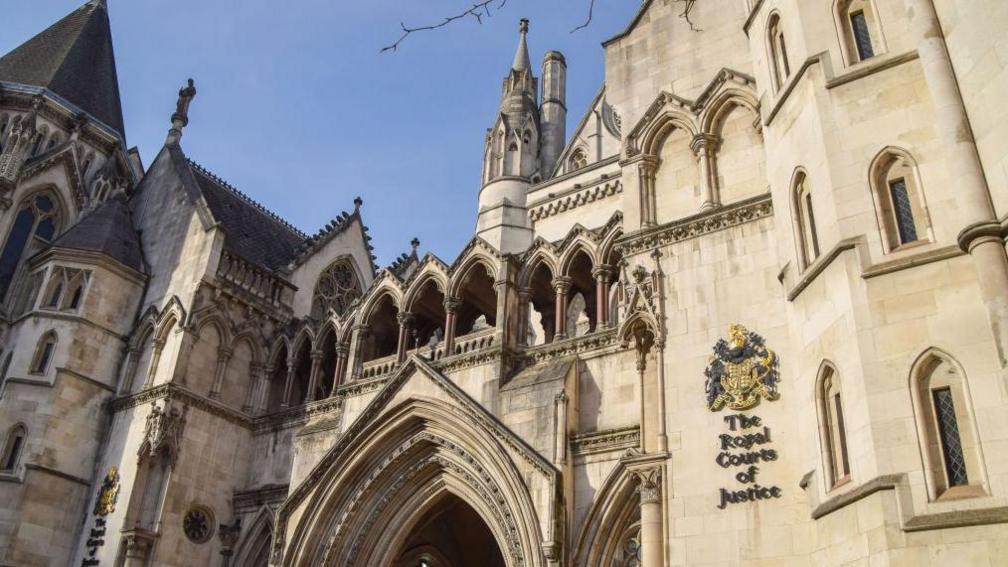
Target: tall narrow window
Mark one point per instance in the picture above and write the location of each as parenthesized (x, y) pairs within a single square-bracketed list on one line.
[(832, 427), (807, 234), (902, 210), (34, 226), (862, 37), (948, 432), (899, 200), (44, 353), (13, 447), (945, 427), (779, 63), (785, 64)]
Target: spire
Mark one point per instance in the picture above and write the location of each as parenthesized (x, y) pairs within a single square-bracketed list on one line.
[(74, 59), (180, 118), (521, 58)]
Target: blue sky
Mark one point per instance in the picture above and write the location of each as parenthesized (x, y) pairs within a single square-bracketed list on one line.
[(297, 108)]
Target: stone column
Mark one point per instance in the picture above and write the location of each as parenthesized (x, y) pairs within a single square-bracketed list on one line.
[(982, 236), (651, 540), (138, 546), (560, 441), (132, 361), (313, 375), (402, 347), (524, 313), (156, 348), (705, 146), (255, 386), (360, 334), (561, 285), (451, 305), (602, 275), (223, 357), (288, 384), (342, 354), (647, 168)]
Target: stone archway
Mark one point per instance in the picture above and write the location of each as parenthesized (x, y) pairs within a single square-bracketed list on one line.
[(450, 533)]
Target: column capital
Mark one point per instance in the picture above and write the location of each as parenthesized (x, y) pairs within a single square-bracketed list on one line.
[(603, 272), (562, 284), (451, 304), (705, 143), (404, 317), (342, 349), (225, 352), (648, 483), (315, 355), (647, 165)]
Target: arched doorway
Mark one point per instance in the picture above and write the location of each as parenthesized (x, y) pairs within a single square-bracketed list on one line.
[(449, 534)]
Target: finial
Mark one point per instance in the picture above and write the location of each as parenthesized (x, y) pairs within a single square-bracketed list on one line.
[(523, 25), (415, 243), (357, 202), (180, 118), (521, 58)]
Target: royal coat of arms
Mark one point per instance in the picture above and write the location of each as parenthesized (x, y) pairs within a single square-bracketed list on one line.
[(106, 501), (742, 371)]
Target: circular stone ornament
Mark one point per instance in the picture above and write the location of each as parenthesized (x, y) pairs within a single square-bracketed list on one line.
[(198, 524)]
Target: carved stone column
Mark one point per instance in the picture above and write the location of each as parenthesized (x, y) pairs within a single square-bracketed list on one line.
[(360, 334), (647, 168), (982, 236), (255, 388), (313, 375), (405, 323), (560, 442), (342, 354), (602, 274), (652, 543), (705, 146), (156, 347), (288, 384), (451, 305), (524, 313), (223, 357), (138, 546), (561, 285)]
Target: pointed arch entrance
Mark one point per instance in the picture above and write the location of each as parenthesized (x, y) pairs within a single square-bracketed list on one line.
[(424, 470)]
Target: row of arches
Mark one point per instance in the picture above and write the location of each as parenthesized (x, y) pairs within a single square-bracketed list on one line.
[(898, 197), (952, 458)]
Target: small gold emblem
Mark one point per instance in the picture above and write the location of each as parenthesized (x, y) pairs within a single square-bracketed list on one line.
[(742, 371), (106, 501)]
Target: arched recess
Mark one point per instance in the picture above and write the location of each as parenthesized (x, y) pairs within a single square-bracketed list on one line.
[(474, 287), (610, 533), (301, 360), (201, 371), (803, 216), (677, 184), (946, 427), (832, 426), (239, 378), (277, 376), (379, 480), (426, 303), (540, 301), (739, 164), (582, 303), (325, 344), (254, 549), (381, 327)]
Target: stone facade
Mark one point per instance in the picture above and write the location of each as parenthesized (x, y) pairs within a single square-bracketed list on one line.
[(753, 310)]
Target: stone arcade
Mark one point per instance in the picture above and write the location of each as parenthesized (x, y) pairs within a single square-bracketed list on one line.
[(752, 310)]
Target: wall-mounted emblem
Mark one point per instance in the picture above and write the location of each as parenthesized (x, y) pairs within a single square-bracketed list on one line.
[(106, 501), (742, 371)]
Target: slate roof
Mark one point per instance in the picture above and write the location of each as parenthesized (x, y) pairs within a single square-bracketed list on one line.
[(74, 59), (252, 231), (109, 230)]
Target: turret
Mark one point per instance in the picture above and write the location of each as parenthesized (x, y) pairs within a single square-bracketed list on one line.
[(554, 110)]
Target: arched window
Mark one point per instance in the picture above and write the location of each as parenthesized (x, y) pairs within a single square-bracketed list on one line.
[(35, 224), (337, 287), (44, 353), (779, 63), (43, 131), (858, 27), (899, 201), (4, 368), (65, 289), (577, 160), (945, 427), (832, 427), (13, 447), (807, 236)]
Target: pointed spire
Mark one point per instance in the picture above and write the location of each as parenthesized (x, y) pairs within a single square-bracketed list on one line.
[(74, 59), (180, 118), (521, 59)]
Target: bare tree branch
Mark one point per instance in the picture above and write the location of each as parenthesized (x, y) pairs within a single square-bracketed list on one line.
[(687, 8), (591, 8), (478, 11)]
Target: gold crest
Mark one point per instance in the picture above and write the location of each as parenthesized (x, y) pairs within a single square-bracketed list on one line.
[(742, 371), (106, 501)]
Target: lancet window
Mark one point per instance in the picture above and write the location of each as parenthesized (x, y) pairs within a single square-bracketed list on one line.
[(35, 225)]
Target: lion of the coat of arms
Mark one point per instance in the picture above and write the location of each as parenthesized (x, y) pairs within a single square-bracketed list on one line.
[(742, 371)]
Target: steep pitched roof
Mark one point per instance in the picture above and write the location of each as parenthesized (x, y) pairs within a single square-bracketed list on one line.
[(252, 231), (74, 59), (108, 230)]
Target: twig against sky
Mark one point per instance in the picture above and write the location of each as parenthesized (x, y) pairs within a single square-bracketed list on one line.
[(478, 11)]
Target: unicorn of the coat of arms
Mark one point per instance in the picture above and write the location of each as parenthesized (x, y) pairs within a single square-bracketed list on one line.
[(742, 371)]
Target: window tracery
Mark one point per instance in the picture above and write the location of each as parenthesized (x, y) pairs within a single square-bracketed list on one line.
[(577, 160), (336, 289), (35, 225)]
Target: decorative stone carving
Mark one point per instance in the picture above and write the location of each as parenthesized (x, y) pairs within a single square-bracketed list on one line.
[(163, 432), (742, 371), (198, 524), (648, 484)]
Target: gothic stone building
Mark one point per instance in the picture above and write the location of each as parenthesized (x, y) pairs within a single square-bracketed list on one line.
[(752, 310)]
